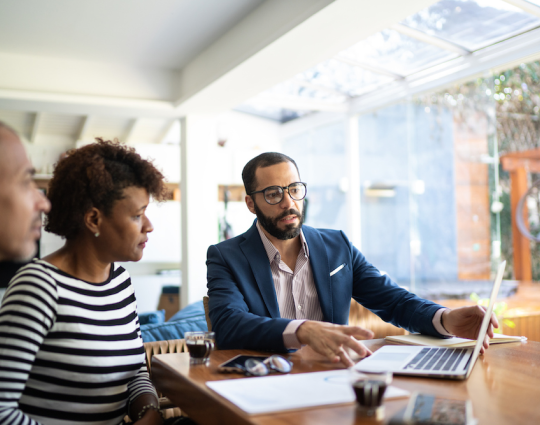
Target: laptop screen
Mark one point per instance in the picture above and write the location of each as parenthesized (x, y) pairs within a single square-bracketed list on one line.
[(487, 317)]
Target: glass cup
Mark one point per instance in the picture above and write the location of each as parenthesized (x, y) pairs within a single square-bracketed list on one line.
[(200, 345), (369, 389)]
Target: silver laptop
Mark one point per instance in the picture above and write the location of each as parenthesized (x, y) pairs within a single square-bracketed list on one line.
[(432, 362)]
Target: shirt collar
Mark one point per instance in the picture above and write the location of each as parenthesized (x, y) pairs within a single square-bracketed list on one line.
[(272, 251)]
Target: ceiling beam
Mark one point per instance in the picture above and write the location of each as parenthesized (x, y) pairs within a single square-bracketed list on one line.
[(430, 39), (56, 103), (533, 9), (278, 40), (35, 127), (85, 125), (128, 134), (165, 132)]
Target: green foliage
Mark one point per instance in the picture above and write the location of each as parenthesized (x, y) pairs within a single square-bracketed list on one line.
[(498, 309), (510, 100)]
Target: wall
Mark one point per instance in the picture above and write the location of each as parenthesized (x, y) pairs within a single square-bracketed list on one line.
[(320, 155), (412, 235), (246, 136)]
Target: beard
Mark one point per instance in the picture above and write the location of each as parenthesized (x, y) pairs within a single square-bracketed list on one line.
[(271, 224)]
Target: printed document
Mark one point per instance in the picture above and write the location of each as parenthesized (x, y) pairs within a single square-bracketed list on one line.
[(267, 394)]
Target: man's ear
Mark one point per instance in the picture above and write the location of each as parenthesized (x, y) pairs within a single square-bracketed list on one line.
[(250, 204), (92, 220)]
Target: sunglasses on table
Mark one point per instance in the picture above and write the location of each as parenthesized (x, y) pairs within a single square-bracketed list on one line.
[(276, 363)]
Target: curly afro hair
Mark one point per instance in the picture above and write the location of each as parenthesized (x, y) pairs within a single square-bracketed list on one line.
[(96, 176)]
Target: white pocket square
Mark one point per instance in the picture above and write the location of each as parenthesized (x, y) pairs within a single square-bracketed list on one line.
[(333, 272)]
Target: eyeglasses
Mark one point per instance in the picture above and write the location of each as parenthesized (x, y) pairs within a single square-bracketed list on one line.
[(274, 194), (262, 368)]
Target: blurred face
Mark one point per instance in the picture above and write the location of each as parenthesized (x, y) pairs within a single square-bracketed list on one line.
[(21, 203), (284, 220), (124, 233)]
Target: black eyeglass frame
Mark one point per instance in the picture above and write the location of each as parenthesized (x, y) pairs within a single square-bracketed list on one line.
[(282, 192)]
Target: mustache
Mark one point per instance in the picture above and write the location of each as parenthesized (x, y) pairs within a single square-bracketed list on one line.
[(292, 211), (37, 221)]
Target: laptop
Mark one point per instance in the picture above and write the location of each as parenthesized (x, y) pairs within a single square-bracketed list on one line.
[(428, 361)]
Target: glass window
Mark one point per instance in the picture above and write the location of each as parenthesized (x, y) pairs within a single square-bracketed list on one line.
[(293, 88), (472, 24), (399, 53), (344, 78)]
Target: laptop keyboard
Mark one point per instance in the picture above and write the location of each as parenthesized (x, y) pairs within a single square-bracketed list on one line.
[(437, 359)]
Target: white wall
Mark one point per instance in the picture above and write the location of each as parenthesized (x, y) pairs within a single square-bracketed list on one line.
[(246, 137)]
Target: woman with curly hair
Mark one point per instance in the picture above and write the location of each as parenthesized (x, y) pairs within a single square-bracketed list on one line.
[(71, 350)]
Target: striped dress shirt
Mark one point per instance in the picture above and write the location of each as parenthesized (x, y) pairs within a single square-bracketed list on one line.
[(295, 290)]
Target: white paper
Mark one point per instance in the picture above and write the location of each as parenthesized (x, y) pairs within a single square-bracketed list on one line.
[(285, 392)]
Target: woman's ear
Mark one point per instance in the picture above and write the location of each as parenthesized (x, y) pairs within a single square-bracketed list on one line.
[(92, 220)]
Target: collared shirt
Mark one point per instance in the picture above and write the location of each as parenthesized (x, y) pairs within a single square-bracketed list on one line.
[(296, 292)]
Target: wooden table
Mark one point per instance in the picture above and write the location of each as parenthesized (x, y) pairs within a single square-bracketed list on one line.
[(504, 388)]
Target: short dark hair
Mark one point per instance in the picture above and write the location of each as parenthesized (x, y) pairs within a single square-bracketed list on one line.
[(261, 161), (96, 175)]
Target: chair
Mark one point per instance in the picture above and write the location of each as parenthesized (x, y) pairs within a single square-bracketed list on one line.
[(361, 316), (207, 312), (164, 347)]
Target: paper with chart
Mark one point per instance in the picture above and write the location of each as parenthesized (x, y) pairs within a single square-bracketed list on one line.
[(295, 391)]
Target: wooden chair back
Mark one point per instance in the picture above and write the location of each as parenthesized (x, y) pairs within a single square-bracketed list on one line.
[(207, 312), (164, 347)]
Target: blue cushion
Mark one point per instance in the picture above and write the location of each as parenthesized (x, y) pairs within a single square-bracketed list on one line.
[(152, 317), (191, 318), (194, 309)]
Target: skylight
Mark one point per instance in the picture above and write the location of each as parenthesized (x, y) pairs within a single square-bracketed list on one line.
[(472, 24), (397, 52), (436, 36)]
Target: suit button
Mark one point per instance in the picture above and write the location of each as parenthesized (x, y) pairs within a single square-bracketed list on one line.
[(299, 307)]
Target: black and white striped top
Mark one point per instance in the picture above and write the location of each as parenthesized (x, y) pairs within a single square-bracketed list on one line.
[(70, 351)]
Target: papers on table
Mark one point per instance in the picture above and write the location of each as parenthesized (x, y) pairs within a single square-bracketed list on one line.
[(417, 339), (286, 392)]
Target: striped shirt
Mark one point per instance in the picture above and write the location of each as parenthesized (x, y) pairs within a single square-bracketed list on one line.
[(295, 290), (70, 351)]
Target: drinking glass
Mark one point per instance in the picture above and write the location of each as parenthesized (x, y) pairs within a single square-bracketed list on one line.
[(200, 345), (369, 389)]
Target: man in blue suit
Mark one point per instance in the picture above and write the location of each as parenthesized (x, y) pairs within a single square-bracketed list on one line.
[(282, 285)]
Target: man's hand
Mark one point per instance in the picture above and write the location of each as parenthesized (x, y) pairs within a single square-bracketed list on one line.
[(332, 340), (465, 322)]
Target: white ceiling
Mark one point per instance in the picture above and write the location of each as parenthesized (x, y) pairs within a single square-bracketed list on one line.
[(129, 68), (153, 34)]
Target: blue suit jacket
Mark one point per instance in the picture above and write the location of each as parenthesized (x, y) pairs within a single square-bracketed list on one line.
[(243, 305)]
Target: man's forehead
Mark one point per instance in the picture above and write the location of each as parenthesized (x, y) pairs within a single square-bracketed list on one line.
[(13, 158), (280, 174)]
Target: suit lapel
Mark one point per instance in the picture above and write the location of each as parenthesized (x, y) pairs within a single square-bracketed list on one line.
[(318, 259), (253, 249)]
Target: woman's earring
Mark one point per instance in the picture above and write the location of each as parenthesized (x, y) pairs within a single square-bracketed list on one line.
[(96, 234)]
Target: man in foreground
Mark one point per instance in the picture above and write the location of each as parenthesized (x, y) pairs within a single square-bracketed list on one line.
[(282, 285), (21, 203)]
